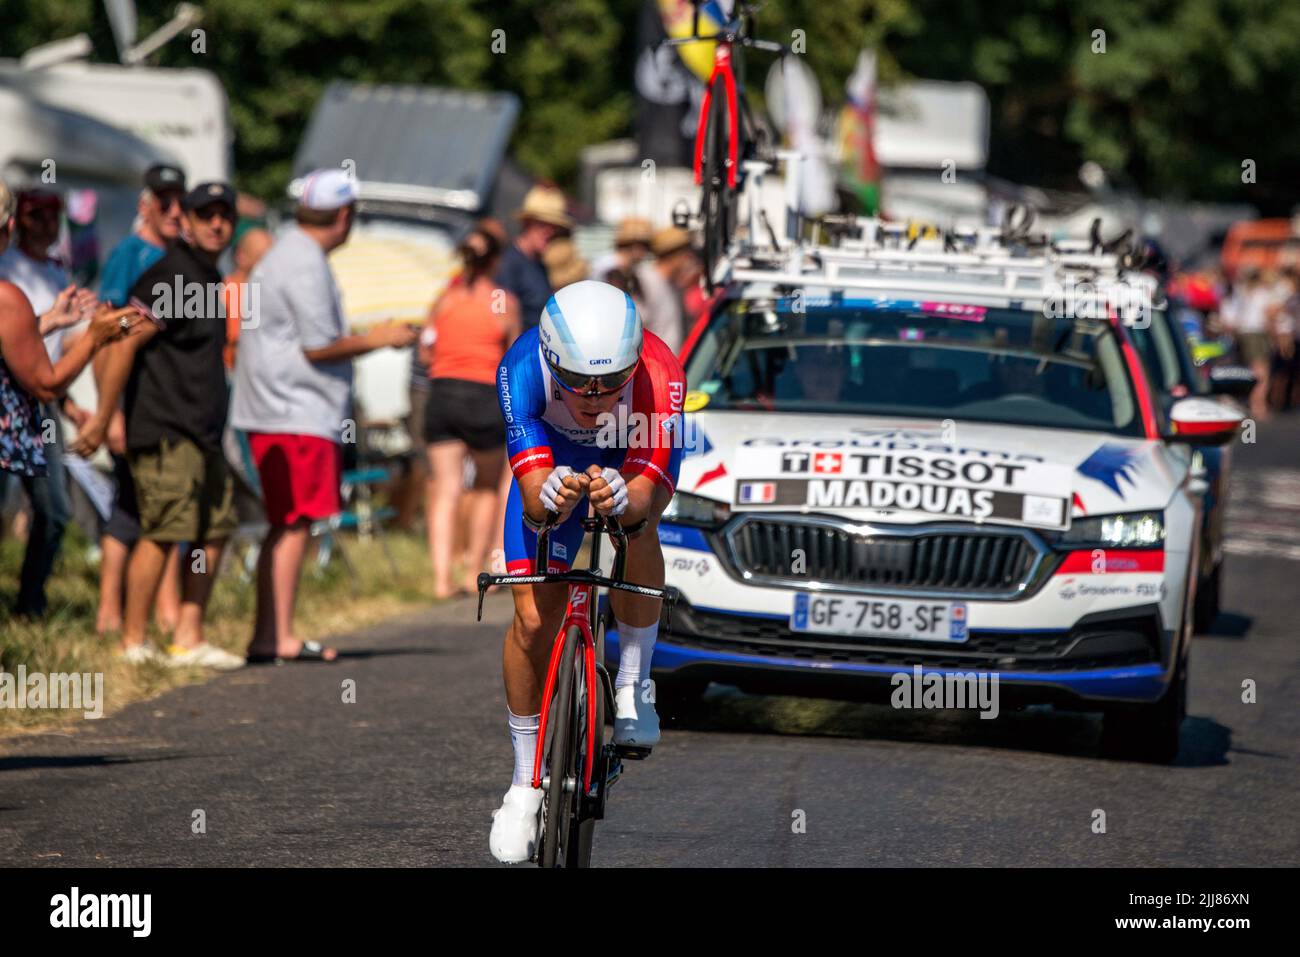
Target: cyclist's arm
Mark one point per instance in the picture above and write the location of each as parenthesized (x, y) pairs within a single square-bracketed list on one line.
[(522, 398), (656, 392), (640, 495)]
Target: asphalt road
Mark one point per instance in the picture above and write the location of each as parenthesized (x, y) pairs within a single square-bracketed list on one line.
[(285, 773)]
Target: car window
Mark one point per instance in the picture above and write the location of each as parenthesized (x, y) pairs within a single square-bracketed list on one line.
[(995, 365)]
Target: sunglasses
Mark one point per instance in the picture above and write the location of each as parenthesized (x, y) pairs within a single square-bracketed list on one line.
[(214, 211), (590, 385)]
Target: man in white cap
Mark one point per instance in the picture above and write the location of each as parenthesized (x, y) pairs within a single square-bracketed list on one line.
[(292, 393)]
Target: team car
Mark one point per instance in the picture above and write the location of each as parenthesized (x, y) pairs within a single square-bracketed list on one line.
[(1174, 375), (936, 459)]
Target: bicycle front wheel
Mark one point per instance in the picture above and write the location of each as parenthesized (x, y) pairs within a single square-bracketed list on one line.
[(560, 799), (584, 828)]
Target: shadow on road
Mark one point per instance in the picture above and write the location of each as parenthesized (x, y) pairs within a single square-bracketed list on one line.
[(1205, 743), (28, 762), (1229, 624)]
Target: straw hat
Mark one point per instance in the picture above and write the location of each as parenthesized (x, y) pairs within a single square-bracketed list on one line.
[(669, 240), (634, 229), (546, 205), (563, 264)]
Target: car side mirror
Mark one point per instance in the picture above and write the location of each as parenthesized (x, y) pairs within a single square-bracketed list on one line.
[(1203, 422), (1232, 380)]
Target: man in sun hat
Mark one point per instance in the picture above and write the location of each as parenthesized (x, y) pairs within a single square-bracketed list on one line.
[(542, 218)]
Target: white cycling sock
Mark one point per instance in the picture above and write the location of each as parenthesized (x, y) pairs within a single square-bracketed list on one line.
[(523, 735), (636, 646)]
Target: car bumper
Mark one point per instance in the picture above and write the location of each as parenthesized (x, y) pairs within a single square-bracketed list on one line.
[(1079, 640)]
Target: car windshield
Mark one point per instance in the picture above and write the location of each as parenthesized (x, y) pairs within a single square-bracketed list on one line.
[(925, 360)]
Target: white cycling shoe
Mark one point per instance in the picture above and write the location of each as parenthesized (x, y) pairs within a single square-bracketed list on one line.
[(514, 825), (636, 724)]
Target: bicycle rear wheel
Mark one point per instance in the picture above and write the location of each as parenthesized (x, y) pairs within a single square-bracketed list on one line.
[(718, 202), (562, 757)]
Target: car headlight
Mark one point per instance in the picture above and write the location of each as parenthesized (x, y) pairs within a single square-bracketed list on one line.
[(1128, 530), (685, 509)]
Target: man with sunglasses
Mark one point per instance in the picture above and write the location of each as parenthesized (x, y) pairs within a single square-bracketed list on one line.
[(174, 379), (592, 405), (158, 223)]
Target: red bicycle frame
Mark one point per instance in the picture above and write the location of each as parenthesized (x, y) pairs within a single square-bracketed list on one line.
[(576, 613), (721, 65)]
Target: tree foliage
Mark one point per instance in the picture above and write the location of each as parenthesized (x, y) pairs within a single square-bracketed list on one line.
[(1184, 92)]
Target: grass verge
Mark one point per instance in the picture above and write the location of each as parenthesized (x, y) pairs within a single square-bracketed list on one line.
[(330, 600)]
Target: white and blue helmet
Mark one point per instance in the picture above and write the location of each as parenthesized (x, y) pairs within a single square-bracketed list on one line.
[(590, 335)]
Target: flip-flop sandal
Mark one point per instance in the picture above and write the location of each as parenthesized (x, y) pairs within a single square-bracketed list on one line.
[(310, 651)]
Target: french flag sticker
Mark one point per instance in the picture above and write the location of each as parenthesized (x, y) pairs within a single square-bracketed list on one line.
[(757, 493)]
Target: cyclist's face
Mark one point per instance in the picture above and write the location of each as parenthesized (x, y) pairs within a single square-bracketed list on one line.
[(587, 409)]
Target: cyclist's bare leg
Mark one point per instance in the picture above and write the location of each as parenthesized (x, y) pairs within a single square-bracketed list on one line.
[(539, 611), (645, 566)]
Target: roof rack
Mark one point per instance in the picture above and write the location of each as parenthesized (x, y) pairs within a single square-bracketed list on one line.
[(990, 266)]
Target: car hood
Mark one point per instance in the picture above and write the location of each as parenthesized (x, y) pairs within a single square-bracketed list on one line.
[(918, 470)]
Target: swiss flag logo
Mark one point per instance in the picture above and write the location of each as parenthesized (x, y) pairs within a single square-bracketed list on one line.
[(828, 462)]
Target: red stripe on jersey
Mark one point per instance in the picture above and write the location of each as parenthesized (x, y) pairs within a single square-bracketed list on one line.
[(531, 459)]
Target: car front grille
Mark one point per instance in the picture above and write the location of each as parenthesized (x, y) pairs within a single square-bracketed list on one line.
[(985, 562)]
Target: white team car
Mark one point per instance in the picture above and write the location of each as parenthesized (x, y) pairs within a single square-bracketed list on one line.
[(962, 482)]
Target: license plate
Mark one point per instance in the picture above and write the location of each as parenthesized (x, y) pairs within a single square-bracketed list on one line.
[(869, 617)]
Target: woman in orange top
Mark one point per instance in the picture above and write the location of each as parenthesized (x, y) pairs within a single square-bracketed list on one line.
[(473, 323)]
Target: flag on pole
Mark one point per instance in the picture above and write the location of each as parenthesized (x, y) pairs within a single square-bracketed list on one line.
[(857, 129)]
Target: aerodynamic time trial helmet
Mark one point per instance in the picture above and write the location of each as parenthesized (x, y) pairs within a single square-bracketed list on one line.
[(590, 335)]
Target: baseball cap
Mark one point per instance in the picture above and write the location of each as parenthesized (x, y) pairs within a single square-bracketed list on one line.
[(38, 199), (325, 189), (163, 176), (206, 194)]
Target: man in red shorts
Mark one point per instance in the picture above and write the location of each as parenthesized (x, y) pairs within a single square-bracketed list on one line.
[(292, 392)]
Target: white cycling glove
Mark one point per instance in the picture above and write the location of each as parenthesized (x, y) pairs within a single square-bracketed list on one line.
[(551, 488), (618, 487)]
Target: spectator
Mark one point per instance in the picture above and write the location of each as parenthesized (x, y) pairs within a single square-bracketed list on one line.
[(520, 270), (28, 265), (631, 247), (175, 406), (249, 250), (662, 281), (563, 264), (158, 223), (1249, 315), (28, 377), (293, 387), (473, 324), (1286, 346)]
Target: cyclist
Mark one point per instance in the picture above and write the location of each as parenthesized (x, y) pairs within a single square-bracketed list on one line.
[(592, 406)]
